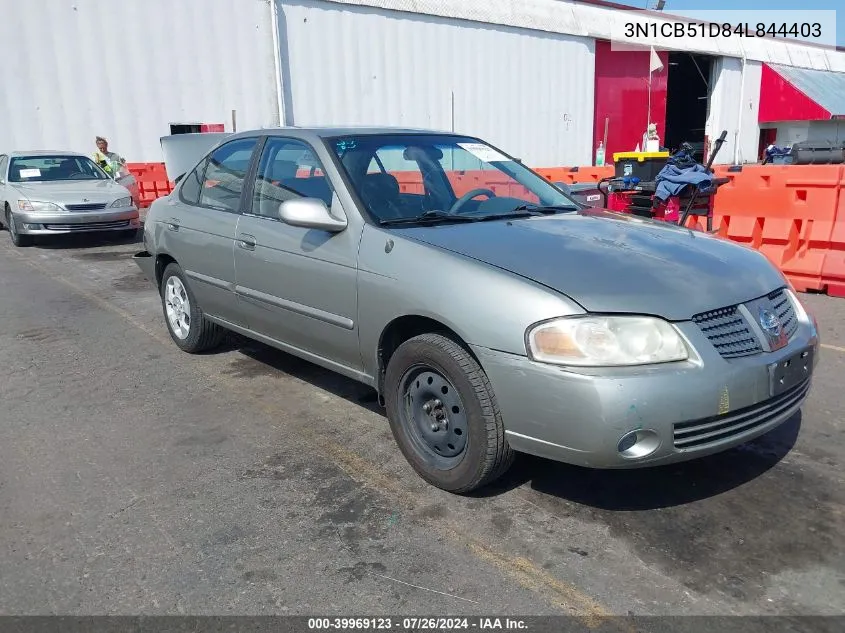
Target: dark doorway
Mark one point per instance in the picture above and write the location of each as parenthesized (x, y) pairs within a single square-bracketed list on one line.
[(182, 128), (687, 96)]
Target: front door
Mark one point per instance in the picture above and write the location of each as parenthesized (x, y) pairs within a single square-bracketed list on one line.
[(298, 285), (200, 222)]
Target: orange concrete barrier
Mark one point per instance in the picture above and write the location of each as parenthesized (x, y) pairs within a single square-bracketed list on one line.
[(152, 181), (464, 181), (572, 175), (787, 212), (833, 267)]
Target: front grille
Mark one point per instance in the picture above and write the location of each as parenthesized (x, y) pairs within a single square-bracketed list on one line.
[(86, 207), (785, 311), (728, 332), (89, 226), (718, 428), (731, 335)]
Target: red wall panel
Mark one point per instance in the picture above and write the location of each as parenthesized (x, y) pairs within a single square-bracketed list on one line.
[(622, 95), (781, 101)]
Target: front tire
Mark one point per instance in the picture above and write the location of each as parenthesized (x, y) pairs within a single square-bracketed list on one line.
[(188, 327), (11, 224), (444, 415)]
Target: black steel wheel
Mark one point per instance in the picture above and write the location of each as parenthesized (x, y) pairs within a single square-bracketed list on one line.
[(444, 416), (435, 415)]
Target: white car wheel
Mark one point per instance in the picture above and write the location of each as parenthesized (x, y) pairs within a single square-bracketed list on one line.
[(178, 307)]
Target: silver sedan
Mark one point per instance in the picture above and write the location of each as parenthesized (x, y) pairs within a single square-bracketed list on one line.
[(491, 312), (49, 192)]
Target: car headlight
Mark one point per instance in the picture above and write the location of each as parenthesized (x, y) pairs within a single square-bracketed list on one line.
[(600, 341), (27, 205), (122, 202)]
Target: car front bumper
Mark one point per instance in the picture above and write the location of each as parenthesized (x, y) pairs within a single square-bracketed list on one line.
[(672, 413), (122, 219)]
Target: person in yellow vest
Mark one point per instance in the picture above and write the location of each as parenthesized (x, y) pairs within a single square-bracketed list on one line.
[(112, 163)]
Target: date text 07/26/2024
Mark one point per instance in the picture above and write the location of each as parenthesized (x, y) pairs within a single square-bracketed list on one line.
[(415, 624)]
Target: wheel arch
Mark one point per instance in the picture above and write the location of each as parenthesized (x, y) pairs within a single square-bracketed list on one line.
[(163, 260), (404, 328)]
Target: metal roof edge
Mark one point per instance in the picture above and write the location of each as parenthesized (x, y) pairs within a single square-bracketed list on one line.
[(594, 19)]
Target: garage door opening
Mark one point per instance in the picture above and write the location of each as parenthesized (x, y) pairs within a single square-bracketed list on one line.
[(687, 97), (195, 128)]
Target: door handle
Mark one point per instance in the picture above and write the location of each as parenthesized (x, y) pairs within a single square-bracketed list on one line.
[(173, 225), (247, 242)]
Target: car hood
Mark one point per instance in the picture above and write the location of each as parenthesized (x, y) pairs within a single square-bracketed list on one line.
[(72, 191), (611, 262)]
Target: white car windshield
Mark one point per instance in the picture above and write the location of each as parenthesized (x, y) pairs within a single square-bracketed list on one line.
[(405, 178), (54, 168)]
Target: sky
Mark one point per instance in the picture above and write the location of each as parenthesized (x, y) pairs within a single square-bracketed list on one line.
[(782, 5)]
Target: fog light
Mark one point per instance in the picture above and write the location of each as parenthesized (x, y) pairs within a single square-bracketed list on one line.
[(32, 227), (638, 444)]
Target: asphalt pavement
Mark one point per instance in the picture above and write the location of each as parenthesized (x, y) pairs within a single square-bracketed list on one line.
[(137, 479)]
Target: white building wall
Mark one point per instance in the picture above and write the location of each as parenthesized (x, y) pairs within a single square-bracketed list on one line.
[(521, 71), (826, 131), (73, 69), (734, 106), (790, 132), (528, 92)]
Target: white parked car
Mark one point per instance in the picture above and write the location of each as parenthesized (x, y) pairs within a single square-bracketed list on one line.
[(48, 192)]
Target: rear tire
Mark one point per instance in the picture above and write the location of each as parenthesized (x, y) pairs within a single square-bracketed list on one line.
[(444, 415), (188, 327), (11, 224)]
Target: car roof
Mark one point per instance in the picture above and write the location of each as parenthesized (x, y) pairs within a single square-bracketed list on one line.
[(331, 131), (43, 152)]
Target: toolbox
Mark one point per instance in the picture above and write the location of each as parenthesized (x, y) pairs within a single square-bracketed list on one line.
[(642, 165)]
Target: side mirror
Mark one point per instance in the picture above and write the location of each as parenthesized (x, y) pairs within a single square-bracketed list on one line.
[(310, 213)]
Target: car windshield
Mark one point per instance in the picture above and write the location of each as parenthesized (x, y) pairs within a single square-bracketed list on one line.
[(409, 178), (54, 168)]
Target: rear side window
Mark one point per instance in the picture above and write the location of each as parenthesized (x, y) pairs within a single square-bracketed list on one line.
[(223, 180), (3, 162), (192, 184)]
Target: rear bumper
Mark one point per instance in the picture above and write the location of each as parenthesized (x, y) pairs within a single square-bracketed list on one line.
[(146, 262), (76, 222)]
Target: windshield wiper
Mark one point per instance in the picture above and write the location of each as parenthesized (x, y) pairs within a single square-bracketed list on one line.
[(519, 212), (546, 209), (522, 211), (426, 218)]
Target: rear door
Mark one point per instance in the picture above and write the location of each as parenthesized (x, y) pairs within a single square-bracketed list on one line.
[(199, 225)]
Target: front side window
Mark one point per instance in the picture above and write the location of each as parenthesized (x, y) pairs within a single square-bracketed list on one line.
[(54, 168), (225, 171), (288, 169), (400, 177)]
